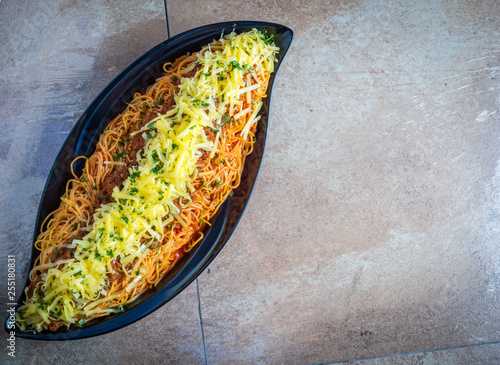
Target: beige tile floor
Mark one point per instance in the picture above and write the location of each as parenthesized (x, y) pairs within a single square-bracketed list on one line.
[(373, 231)]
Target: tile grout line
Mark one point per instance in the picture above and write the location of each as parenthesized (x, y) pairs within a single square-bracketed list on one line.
[(166, 18), (201, 321), (409, 353)]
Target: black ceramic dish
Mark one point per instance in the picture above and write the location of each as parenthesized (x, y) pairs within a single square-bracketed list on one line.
[(82, 141)]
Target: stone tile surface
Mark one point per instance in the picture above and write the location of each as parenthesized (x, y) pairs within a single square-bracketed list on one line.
[(478, 355), (56, 57), (373, 227)]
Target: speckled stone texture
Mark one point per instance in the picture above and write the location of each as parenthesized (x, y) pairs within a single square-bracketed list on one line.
[(478, 355), (373, 232)]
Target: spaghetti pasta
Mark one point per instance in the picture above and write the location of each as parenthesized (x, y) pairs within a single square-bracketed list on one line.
[(159, 173)]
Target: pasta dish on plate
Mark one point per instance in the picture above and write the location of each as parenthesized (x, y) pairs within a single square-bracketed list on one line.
[(160, 171)]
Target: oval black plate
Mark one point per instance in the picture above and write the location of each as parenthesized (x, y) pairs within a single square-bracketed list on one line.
[(83, 139)]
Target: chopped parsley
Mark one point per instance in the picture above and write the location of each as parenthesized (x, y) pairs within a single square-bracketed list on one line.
[(79, 273), (117, 155), (268, 40), (110, 253), (81, 323), (97, 255), (236, 65), (134, 175)]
